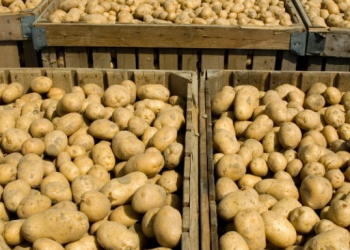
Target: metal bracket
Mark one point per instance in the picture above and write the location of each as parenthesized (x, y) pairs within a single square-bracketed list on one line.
[(315, 43), (39, 38), (26, 24), (298, 43)]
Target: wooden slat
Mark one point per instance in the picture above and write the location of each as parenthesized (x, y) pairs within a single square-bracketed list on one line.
[(85, 76), (237, 59), (337, 44), (203, 172), (126, 58), (315, 63), (31, 56), (264, 60), (169, 36), (76, 57), (146, 59), (212, 59), (289, 61), (168, 59), (62, 78), (25, 76), (101, 58), (189, 59), (9, 55), (49, 57), (337, 64)]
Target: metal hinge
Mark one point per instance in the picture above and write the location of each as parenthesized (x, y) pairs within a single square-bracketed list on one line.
[(39, 38), (316, 43), (298, 43), (26, 24)]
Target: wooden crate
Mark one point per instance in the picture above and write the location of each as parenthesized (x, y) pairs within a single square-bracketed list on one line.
[(168, 59), (329, 42), (16, 48), (212, 82), (184, 84), (185, 47)]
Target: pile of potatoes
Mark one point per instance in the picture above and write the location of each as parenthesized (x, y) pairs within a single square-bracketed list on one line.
[(282, 169), (217, 12), (15, 6), (90, 169), (328, 13)]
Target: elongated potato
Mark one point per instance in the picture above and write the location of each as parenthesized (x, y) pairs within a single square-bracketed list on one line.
[(223, 100), (149, 163), (231, 166), (61, 225), (125, 145), (153, 91), (246, 99), (102, 154)]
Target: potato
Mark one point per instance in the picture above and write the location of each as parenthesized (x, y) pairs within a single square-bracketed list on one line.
[(245, 101), (94, 205), (69, 170), (14, 193), (33, 146), (55, 142), (259, 128), (310, 153), (57, 191), (307, 120), (82, 184), (171, 181), (277, 188), (86, 242), (69, 103), (331, 161), (277, 111), (12, 91), (225, 123), (279, 231), (45, 244), (120, 190), (240, 127), (237, 201), (69, 123), (314, 102), (113, 235), (125, 215), (285, 206), (250, 225), (12, 232), (40, 127), (147, 222), (334, 116), (315, 192), (231, 166), (276, 162), (289, 135), (102, 154), (258, 167), (303, 219), (312, 168), (8, 173), (61, 225), (165, 235), (32, 204), (116, 96), (148, 196), (31, 171), (223, 100), (153, 91), (169, 117), (125, 145), (328, 239), (173, 155), (336, 177), (332, 95), (224, 186), (150, 163), (225, 142), (13, 139), (4, 213), (232, 240), (271, 142)]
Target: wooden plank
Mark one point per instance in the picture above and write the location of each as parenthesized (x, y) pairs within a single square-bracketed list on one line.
[(237, 59), (76, 57), (213, 59), (162, 36), (62, 78), (309, 77), (25, 76), (126, 58), (168, 59), (203, 172), (315, 63), (85, 76), (101, 58), (289, 61), (189, 59), (264, 60), (342, 81), (146, 58), (337, 64), (31, 56), (9, 55), (337, 44), (49, 57)]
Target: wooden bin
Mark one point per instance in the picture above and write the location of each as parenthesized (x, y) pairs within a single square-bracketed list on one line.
[(211, 83), (184, 84), (178, 47), (16, 48), (329, 46)]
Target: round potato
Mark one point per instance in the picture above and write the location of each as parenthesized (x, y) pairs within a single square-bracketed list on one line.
[(125, 145), (171, 181), (223, 100), (148, 196), (232, 240), (125, 215), (303, 219), (224, 186), (14, 193), (116, 96), (163, 138), (231, 166), (95, 205), (315, 191), (55, 142), (12, 92), (32, 204), (289, 135), (69, 103), (69, 123)]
